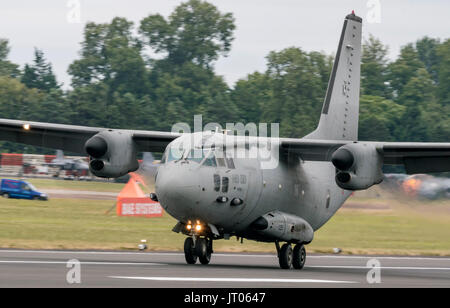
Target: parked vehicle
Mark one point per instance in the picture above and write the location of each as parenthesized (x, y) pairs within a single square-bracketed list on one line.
[(20, 190)]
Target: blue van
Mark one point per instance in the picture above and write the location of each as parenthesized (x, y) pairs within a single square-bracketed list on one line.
[(21, 190)]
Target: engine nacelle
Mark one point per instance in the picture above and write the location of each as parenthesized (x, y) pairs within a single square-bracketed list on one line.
[(112, 154), (284, 227), (359, 166)]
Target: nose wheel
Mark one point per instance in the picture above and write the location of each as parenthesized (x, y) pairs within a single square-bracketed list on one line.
[(198, 248), (289, 257), (189, 251)]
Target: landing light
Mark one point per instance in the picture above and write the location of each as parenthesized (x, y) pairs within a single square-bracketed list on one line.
[(153, 197), (198, 227), (236, 201), (26, 126), (189, 227), (222, 199)]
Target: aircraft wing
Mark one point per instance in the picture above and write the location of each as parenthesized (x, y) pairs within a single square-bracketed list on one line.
[(416, 157), (72, 138)]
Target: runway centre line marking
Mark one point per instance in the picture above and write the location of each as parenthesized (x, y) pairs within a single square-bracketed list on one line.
[(81, 262), (221, 255), (214, 279)]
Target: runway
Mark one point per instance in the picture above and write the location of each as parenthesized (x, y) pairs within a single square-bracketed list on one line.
[(28, 268)]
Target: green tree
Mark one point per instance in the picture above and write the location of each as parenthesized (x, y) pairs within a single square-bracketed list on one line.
[(443, 86), (195, 32), (39, 75), (419, 90), (251, 95), (378, 118), (427, 51), (374, 68), (404, 68), (298, 82), (17, 101), (112, 55), (7, 68)]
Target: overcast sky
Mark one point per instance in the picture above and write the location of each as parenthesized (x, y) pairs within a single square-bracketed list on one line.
[(262, 26)]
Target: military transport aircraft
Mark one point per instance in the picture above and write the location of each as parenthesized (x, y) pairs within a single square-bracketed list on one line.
[(215, 195), (76, 165)]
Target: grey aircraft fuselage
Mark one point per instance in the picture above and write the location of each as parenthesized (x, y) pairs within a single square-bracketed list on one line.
[(188, 191)]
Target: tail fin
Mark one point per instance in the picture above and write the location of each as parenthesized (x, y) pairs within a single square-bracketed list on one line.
[(148, 158), (59, 154), (340, 112)]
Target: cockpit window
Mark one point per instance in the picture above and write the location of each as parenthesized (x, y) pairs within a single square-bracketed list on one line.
[(221, 161), (210, 161), (230, 163), (196, 155), (205, 156), (172, 153)]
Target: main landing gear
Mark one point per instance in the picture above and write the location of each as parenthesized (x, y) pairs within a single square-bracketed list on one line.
[(289, 257), (200, 248)]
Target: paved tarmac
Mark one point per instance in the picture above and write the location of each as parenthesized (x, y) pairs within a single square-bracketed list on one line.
[(80, 194), (25, 268)]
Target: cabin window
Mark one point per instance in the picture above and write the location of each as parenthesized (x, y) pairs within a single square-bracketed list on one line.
[(243, 179), (216, 182), (235, 179), (225, 182)]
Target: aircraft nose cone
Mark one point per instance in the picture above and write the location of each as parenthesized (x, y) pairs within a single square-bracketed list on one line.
[(177, 190)]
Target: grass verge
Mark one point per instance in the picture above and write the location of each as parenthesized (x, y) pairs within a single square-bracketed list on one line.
[(84, 224)]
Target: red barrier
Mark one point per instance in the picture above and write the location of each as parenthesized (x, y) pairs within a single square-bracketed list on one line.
[(133, 202), (138, 207), (12, 159)]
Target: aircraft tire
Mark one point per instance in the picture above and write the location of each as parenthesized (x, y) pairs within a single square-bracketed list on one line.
[(299, 256), (202, 251), (189, 251), (285, 256)]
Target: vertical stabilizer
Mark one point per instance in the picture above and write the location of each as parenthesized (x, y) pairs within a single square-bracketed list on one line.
[(59, 155), (340, 112)]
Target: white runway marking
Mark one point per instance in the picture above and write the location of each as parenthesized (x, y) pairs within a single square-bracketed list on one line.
[(153, 264), (214, 279), (81, 262), (223, 255), (382, 267)]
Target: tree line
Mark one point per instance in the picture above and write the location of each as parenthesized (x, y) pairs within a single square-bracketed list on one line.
[(163, 73)]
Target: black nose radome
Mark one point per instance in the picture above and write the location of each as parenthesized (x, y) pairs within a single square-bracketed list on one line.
[(96, 147), (342, 159)]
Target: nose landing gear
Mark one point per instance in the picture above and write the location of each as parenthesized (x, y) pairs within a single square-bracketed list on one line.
[(200, 248), (289, 257)]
